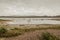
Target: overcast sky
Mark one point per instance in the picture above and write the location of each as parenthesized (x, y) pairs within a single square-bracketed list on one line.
[(29, 7)]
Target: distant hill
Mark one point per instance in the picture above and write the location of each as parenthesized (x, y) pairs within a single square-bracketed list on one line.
[(29, 16)]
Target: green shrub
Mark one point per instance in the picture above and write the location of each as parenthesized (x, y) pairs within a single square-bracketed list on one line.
[(3, 30), (9, 33), (48, 36)]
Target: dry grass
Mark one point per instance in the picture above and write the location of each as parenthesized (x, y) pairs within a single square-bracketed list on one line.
[(29, 33), (35, 35)]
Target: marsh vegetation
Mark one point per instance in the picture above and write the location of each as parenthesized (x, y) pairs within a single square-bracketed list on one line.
[(6, 31)]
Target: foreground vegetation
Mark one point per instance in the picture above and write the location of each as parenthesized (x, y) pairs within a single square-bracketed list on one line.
[(7, 32), (4, 32)]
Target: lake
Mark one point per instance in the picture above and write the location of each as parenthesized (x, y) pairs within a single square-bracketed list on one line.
[(32, 20)]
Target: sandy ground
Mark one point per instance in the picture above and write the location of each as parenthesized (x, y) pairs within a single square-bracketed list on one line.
[(34, 35)]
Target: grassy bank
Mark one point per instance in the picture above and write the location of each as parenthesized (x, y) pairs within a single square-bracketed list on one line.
[(23, 32), (6, 31)]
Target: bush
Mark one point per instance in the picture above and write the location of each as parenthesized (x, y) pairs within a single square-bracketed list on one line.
[(9, 33), (48, 36), (3, 30)]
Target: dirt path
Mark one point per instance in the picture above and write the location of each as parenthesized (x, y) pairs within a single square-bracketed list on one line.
[(33, 35)]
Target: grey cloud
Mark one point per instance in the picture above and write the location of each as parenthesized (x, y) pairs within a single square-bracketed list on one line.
[(29, 7)]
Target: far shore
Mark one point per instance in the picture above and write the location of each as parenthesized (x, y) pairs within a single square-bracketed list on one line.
[(29, 16)]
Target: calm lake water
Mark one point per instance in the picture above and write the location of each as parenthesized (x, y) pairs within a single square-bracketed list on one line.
[(32, 21)]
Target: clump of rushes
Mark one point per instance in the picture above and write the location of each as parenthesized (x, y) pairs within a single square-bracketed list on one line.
[(2, 30), (9, 33), (48, 36)]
